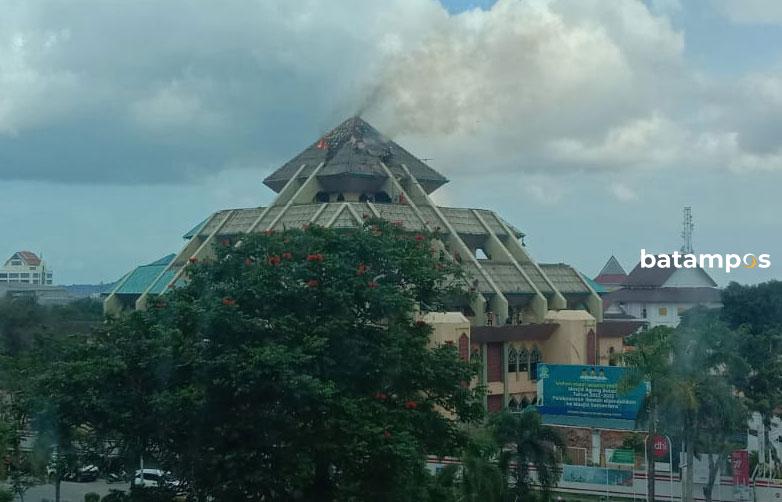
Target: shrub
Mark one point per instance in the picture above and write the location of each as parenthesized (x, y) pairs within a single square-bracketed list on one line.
[(6, 496), (91, 497)]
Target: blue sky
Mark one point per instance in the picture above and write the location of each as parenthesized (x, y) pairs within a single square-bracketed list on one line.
[(588, 124)]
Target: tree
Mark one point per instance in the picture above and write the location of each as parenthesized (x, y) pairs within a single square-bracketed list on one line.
[(528, 442), (483, 479), (650, 361), (291, 366), (756, 313)]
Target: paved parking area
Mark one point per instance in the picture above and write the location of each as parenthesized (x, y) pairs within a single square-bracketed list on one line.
[(71, 492)]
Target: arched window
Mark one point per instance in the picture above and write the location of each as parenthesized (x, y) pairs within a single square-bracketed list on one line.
[(513, 360), (612, 357), (513, 405), (340, 198), (523, 360), (524, 402), (534, 359)]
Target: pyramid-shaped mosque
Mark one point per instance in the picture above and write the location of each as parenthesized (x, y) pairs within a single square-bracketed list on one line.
[(354, 171)]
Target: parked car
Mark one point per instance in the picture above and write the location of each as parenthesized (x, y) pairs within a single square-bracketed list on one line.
[(83, 474), (154, 478)]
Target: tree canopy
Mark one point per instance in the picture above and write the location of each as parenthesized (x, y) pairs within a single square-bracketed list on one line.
[(292, 365)]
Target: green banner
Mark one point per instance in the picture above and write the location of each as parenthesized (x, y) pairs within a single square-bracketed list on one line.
[(621, 456)]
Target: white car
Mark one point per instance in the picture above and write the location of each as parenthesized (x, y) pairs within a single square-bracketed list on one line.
[(153, 478)]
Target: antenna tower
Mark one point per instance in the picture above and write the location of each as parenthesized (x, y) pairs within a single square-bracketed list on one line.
[(687, 227)]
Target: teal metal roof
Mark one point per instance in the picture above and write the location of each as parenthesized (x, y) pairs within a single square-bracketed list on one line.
[(599, 288), (142, 277), (195, 230)]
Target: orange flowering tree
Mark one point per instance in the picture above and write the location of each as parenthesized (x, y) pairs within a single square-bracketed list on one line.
[(294, 365)]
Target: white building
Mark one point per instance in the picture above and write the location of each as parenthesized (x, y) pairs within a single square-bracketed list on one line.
[(25, 267), (660, 295)]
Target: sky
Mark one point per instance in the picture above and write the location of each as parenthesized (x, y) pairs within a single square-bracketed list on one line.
[(588, 124)]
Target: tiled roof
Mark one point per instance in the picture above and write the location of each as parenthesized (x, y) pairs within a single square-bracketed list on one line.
[(664, 295), (565, 278), (617, 328), (613, 267), (29, 258), (648, 277), (610, 279), (354, 149)]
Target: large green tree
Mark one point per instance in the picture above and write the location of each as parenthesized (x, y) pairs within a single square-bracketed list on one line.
[(292, 365)]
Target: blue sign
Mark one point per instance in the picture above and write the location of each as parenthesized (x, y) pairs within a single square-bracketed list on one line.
[(596, 475), (587, 391)]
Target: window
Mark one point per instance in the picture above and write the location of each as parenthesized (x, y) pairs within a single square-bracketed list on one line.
[(662, 311), (513, 360), (16, 263), (322, 197), (523, 360), (534, 359), (382, 197), (513, 405), (25, 275), (643, 313)]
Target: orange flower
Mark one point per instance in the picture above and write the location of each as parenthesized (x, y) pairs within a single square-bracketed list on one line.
[(313, 283), (287, 255), (268, 232), (193, 260), (361, 269), (315, 257), (229, 301), (380, 396), (411, 405), (419, 237), (273, 260)]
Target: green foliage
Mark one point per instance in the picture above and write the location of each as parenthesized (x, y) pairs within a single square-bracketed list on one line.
[(6, 496), (91, 497), (290, 366), (526, 442)]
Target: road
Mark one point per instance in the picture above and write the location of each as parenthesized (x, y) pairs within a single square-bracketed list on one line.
[(71, 492)]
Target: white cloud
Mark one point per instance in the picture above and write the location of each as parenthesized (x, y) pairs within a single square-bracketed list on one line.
[(528, 86), (622, 192)]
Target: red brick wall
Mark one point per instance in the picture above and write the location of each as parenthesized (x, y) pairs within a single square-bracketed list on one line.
[(592, 348), (464, 347), (494, 403), (494, 364)]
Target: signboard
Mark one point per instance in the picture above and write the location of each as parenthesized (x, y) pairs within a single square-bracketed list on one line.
[(596, 475), (587, 391), (660, 446), (620, 456), (739, 461)]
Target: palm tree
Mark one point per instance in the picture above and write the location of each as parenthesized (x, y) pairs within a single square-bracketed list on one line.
[(526, 442), (650, 361), (482, 478)]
